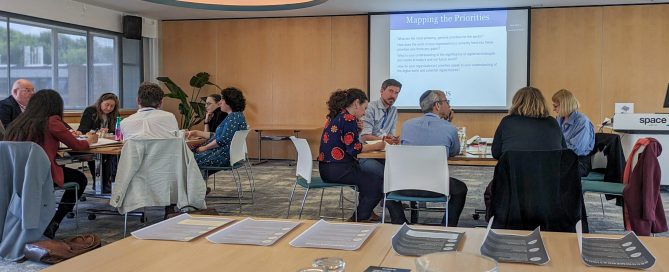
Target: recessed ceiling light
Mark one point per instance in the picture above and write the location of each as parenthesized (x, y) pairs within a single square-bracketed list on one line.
[(241, 5)]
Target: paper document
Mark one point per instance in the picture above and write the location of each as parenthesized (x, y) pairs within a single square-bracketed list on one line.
[(418, 242), (512, 248), (101, 142), (625, 252), (344, 236), (180, 228), (253, 232)]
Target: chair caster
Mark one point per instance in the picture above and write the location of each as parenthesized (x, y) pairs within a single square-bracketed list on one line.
[(476, 216), (82, 198), (91, 216), (142, 219), (70, 215)]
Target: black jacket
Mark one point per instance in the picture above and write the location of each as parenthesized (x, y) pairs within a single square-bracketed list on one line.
[(88, 122), (9, 110), (610, 145), (536, 188)]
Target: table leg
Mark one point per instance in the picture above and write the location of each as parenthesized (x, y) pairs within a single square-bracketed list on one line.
[(97, 180), (259, 148)]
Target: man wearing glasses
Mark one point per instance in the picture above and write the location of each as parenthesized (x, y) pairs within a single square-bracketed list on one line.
[(15, 104), (433, 128)]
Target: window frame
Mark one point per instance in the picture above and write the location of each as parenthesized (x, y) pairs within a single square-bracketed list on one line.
[(67, 28)]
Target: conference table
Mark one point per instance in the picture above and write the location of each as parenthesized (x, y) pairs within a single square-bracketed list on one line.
[(470, 159), (131, 254), (295, 129)]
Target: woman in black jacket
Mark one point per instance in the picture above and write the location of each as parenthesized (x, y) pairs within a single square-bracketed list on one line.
[(101, 117)]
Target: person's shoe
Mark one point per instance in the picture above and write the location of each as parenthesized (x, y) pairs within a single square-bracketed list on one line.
[(208, 191), (374, 217), (50, 231)]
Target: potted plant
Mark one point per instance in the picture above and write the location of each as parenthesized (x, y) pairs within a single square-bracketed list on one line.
[(192, 110)]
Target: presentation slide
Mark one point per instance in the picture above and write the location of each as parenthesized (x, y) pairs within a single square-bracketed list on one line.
[(478, 57)]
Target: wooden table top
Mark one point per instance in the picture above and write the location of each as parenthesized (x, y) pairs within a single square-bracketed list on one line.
[(462, 159), (284, 127), (131, 254), (115, 149)]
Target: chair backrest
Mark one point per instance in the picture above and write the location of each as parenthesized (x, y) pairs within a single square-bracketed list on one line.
[(416, 167), (536, 188), (238, 146), (304, 159)]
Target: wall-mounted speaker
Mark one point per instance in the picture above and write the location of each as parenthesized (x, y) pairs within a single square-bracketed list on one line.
[(132, 27)]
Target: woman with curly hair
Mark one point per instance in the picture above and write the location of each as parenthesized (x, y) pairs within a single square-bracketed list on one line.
[(339, 148), (216, 151)]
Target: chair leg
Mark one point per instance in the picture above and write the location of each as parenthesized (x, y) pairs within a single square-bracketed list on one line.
[(601, 200), (320, 205), (446, 213), (341, 203), (355, 202), (76, 208), (125, 224), (304, 199), (290, 200), (250, 183), (249, 172), (239, 190), (383, 212)]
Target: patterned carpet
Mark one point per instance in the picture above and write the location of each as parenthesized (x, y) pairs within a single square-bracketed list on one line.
[(274, 181)]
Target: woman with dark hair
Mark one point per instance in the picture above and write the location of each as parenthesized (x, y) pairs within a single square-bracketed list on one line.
[(528, 127), (42, 123), (101, 117), (216, 151), (339, 148), (214, 115)]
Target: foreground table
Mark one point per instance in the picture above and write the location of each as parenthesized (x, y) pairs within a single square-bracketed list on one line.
[(131, 254), (295, 129)]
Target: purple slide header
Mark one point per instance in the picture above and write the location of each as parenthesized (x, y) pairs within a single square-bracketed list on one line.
[(448, 20)]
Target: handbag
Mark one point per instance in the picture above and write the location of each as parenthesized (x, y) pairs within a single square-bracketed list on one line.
[(55, 251)]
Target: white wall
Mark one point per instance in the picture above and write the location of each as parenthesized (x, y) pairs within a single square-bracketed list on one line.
[(77, 13)]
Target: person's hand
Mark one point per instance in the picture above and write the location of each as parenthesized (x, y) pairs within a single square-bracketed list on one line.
[(201, 149), (103, 130), (92, 138), (393, 140), (361, 125), (75, 133), (191, 134), (207, 117)]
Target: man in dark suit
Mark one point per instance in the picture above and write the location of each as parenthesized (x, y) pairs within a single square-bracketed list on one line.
[(15, 104)]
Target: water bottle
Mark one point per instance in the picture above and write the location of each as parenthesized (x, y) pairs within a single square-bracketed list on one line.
[(118, 136)]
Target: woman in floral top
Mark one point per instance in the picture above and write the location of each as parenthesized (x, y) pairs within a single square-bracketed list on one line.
[(338, 162), (216, 151)]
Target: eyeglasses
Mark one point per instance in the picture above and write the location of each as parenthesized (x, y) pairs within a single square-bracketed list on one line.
[(209, 103), (27, 90), (441, 101)]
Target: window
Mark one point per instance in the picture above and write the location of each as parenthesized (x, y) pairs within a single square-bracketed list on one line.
[(87, 61), (104, 72), (72, 70), (30, 54), (4, 59)]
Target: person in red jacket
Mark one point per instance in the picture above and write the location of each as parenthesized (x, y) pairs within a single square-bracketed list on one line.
[(42, 123)]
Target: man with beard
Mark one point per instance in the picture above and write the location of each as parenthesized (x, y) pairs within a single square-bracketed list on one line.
[(379, 124)]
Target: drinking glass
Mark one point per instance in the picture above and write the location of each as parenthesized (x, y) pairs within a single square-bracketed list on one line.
[(462, 137), (330, 264), (454, 261), (483, 147), (311, 269)]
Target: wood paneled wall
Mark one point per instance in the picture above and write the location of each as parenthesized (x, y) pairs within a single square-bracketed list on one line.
[(288, 66)]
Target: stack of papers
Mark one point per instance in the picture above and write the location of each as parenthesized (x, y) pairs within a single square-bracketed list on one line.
[(253, 232), (180, 228), (626, 252), (512, 248), (418, 242), (343, 236), (101, 142)]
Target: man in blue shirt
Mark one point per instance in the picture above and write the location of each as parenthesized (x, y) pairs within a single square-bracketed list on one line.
[(433, 128)]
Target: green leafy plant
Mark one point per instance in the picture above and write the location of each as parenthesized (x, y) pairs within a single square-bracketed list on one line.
[(192, 111)]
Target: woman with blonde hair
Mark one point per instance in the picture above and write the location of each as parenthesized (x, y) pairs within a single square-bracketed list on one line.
[(528, 127), (578, 131)]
